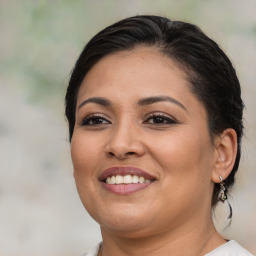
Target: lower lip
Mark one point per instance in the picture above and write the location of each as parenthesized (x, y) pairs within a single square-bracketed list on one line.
[(124, 189)]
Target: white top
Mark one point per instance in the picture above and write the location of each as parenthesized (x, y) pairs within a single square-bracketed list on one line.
[(231, 248)]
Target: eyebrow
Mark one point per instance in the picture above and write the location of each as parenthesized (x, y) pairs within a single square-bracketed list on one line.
[(142, 102), (97, 100), (154, 99)]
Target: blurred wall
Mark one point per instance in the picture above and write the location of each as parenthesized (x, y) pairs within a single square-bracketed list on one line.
[(40, 212)]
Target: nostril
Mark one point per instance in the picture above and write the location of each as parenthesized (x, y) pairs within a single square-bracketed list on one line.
[(130, 153), (120, 155)]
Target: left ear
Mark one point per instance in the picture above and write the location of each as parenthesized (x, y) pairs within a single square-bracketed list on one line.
[(226, 149)]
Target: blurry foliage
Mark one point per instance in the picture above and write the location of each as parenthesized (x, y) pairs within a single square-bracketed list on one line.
[(40, 46), (41, 39)]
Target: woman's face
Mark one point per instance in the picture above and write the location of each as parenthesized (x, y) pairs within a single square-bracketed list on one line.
[(139, 127)]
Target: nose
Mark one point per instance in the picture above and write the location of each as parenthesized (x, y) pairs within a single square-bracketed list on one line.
[(125, 142)]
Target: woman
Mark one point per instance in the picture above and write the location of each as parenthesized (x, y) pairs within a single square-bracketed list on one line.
[(155, 119)]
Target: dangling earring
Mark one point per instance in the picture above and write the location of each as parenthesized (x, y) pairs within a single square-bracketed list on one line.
[(223, 195)]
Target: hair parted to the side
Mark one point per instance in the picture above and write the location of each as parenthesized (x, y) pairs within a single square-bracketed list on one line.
[(211, 75)]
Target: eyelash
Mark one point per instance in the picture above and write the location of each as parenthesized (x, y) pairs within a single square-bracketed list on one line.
[(164, 120), (94, 117)]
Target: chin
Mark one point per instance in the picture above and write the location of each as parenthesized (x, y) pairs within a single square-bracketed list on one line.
[(127, 220)]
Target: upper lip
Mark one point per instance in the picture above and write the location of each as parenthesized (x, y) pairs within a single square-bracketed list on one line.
[(124, 170)]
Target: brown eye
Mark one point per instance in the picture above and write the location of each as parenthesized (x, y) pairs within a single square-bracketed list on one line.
[(94, 121), (159, 119)]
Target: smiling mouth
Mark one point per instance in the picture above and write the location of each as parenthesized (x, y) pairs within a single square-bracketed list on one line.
[(125, 180)]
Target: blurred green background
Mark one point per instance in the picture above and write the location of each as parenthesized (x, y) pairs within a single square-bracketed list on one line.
[(40, 212)]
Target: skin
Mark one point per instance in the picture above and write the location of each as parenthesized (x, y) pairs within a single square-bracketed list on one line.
[(172, 215)]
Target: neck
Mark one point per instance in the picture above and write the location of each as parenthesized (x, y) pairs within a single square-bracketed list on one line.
[(197, 239)]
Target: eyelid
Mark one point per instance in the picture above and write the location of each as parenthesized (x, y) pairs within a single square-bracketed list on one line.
[(94, 115), (160, 114)]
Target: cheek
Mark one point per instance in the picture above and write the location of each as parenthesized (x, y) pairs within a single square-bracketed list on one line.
[(84, 153), (186, 161), (85, 156), (183, 153)]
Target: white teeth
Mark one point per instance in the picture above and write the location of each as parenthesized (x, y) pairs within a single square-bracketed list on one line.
[(127, 179), (141, 179), (108, 180), (113, 180), (119, 179), (135, 179)]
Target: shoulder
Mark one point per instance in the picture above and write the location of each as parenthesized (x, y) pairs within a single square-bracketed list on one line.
[(231, 248), (92, 251)]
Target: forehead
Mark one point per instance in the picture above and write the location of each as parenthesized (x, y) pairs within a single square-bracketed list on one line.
[(145, 67)]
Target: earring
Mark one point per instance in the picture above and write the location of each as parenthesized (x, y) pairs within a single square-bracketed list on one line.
[(223, 195)]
